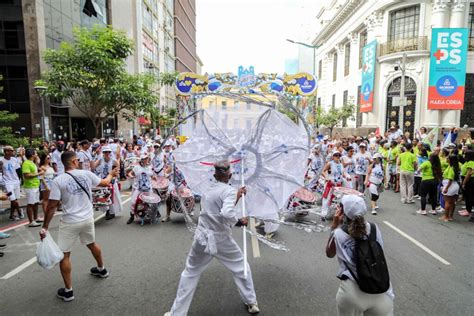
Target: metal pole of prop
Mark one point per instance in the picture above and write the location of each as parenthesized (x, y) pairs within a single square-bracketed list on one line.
[(244, 214)]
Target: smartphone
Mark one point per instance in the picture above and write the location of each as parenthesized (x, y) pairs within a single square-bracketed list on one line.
[(9, 193)]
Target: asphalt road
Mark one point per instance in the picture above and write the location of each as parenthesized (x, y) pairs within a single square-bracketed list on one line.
[(145, 263)]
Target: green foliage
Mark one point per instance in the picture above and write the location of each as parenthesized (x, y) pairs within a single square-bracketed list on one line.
[(90, 73), (7, 136), (334, 115), (168, 78), (291, 115)]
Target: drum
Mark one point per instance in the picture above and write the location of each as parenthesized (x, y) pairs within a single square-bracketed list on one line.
[(160, 186), (339, 192), (301, 202), (101, 196), (147, 207), (188, 200), (129, 163)]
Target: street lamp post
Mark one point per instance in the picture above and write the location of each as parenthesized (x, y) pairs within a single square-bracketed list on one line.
[(44, 133), (314, 74)]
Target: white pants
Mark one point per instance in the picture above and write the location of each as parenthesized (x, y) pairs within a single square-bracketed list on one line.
[(230, 255), (351, 301)]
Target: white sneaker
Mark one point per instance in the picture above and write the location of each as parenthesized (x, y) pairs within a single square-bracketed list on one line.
[(253, 308), (167, 314), (374, 212), (376, 207), (166, 219), (421, 212), (34, 224), (416, 196), (270, 235)]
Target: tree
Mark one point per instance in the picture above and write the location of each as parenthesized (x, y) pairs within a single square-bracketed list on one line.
[(90, 73), (335, 116), (7, 136)]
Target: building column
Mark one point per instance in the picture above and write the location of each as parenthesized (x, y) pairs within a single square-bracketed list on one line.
[(32, 15), (451, 118), (374, 28), (439, 19)]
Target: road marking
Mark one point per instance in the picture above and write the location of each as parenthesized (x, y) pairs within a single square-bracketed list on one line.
[(19, 268), (33, 260), (419, 244)]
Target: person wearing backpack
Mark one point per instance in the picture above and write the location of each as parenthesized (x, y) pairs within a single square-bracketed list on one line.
[(362, 291)]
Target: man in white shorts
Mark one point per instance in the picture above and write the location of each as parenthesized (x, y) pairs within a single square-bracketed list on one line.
[(10, 178), (31, 184), (73, 189)]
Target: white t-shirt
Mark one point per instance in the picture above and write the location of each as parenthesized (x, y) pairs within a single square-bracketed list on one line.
[(56, 158), (77, 206), (9, 167), (362, 162), (104, 167), (85, 158), (350, 168), (142, 180), (345, 246)]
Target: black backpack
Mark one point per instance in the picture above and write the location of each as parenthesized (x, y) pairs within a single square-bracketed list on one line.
[(372, 271)]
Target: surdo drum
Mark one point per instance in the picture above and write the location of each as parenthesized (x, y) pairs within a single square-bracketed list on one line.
[(301, 202), (187, 197)]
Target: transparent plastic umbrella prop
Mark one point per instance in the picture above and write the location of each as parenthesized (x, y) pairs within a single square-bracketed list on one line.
[(269, 158)]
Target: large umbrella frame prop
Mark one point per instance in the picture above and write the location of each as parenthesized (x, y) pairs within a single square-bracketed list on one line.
[(262, 101)]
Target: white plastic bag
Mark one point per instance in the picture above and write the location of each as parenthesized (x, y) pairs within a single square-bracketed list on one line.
[(48, 253)]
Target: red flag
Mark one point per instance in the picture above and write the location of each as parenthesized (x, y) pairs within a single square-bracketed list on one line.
[(377, 131)]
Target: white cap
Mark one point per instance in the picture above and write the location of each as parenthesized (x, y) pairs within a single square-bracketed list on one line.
[(106, 149), (144, 156), (326, 137), (354, 206), (378, 155)]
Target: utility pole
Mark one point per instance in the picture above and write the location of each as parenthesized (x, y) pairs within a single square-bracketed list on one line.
[(401, 109)]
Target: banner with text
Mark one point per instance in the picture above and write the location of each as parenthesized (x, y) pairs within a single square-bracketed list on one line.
[(448, 62), (368, 77)]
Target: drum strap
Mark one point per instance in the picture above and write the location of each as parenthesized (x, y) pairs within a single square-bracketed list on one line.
[(82, 187)]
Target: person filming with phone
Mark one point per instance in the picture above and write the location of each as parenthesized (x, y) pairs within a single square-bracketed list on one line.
[(358, 245)]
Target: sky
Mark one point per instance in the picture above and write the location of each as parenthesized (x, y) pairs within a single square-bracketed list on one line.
[(231, 33)]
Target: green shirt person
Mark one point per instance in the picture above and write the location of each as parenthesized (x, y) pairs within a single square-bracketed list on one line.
[(31, 184), (407, 161)]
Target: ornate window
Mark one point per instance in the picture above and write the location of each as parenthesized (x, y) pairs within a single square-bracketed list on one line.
[(347, 58), (404, 23), (333, 102), (334, 67)]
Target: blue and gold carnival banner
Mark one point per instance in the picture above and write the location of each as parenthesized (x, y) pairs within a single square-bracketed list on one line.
[(448, 62)]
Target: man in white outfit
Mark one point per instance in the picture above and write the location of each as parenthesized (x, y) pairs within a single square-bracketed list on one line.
[(213, 239)]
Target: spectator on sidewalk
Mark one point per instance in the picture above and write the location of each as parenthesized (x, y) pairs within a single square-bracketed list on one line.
[(31, 184), (11, 167), (46, 179), (73, 189), (407, 162)]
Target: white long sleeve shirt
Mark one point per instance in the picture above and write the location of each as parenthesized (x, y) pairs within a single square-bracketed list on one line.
[(219, 213)]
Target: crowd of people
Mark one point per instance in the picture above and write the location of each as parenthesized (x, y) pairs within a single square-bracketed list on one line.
[(437, 173), (61, 175)]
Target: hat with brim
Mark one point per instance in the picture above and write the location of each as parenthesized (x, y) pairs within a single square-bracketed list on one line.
[(354, 206)]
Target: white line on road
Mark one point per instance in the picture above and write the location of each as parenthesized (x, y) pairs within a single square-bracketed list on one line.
[(419, 244), (19, 268), (33, 260)]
